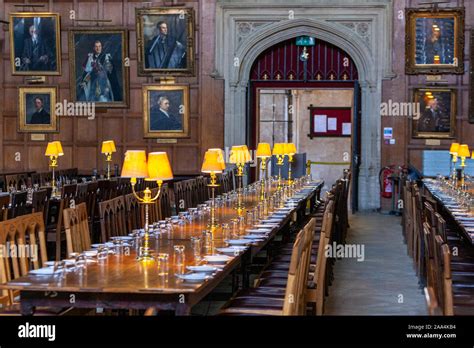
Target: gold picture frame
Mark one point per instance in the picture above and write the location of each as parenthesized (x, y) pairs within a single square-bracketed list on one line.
[(37, 109), (437, 118), (434, 42), (166, 111), (35, 43), (174, 55), (114, 53)]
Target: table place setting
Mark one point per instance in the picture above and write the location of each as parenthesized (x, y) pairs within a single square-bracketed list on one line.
[(194, 277), (232, 250)]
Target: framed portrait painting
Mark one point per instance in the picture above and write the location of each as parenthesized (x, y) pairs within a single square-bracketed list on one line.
[(37, 109), (434, 41), (471, 83), (35, 47), (99, 71), (166, 111), (165, 41), (437, 116)]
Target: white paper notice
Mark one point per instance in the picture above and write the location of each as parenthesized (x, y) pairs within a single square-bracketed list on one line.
[(332, 123), (346, 129), (320, 122)]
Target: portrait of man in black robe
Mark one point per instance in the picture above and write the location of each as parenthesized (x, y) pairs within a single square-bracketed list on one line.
[(39, 115), (164, 51), (35, 45), (162, 117)]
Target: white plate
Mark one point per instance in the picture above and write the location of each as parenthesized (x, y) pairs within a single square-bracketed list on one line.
[(44, 271), (254, 237), (272, 221), (193, 277), (237, 241), (259, 230), (231, 250), (203, 269), (217, 258), (267, 226)]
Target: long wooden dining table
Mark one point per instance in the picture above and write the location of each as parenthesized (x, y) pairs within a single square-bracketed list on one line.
[(121, 282), (463, 218)]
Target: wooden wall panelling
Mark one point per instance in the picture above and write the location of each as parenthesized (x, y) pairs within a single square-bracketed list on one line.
[(82, 138)]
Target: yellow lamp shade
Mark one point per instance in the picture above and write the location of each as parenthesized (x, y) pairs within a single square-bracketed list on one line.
[(159, 167), (279, 149), (264, 150), (213, 161), (54, 149), (108, 146), (135, 164), (290, 149), (454, 148), (240, 154), (464, 151)]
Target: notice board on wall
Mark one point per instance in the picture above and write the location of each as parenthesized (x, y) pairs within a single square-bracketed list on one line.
[(330, 122)]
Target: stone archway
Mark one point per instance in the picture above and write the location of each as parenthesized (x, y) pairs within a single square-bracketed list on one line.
[(244, 33)]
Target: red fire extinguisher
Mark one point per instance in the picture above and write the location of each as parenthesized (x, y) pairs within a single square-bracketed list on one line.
[(386, 184)]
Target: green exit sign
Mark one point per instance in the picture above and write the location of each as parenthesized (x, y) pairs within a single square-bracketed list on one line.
[(305, 41)]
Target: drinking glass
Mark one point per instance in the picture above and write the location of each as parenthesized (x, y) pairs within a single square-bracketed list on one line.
[(207, 240), (226, 231), (250, 218), (196, 245), (103, 252), (163, 265), (234, 224), (179, 258)]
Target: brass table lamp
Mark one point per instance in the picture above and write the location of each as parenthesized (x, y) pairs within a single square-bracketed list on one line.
[(213, 163), (53, 151), (158, 169), (240, 155), (108, 147), (264, 152)]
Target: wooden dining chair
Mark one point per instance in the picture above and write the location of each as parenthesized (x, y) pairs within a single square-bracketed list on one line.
[(35, 179), (40, 203), (429, 243), (4, 206), (120, 210), (316, 294), (431, 302), (293, 301), (107, 220), (179, 196), (76, 225), (46, 179), (153, 208), (26, 234), (17, 180), (134, 216), (165, 202), (19, 204)]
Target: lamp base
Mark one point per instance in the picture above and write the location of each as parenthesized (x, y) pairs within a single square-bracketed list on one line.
[(146, 257)]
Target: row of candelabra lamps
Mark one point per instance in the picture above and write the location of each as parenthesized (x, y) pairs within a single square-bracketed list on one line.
[(156, 167), (459, 151)]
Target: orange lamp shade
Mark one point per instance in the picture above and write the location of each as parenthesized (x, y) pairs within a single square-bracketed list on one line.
[(159, 167), (213, 161), (240, 154), (290, 149), (464, 151), (135, 164), (279, 149), (264, 150), (454, 148), (54, 149), (108, 146)]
